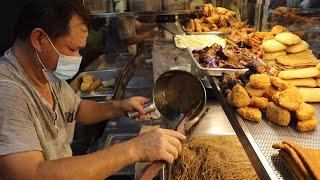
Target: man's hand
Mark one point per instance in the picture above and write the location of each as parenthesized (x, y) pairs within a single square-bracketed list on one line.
[(158, 144), (134, 104)]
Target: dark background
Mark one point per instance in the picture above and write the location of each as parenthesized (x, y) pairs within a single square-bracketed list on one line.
[(9, 12)]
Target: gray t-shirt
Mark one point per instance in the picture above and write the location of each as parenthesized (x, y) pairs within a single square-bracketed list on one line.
[(27, 120)]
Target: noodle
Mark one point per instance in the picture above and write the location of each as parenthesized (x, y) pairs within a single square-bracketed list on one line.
[(212, 157)]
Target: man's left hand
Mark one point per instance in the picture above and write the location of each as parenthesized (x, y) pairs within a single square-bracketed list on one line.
[(134, 104)]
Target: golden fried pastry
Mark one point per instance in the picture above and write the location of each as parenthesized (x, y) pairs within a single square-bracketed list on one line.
[(305, 112), (253, 92), (95, 85), (278, 83), (260, 81), (273, 45), (278, 114), (299, 73), (288, 38), (273, 56), (318, 82), (249, 113), (307, 125), (307, 82), (259, 102), (87, 80), (277, 29), (290, 99), (239, 96), (310, 94), (271, 63), (302, 58), (270, 92), (302, 46)]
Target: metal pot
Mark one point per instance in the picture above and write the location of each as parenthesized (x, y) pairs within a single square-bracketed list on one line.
[(176, 93)]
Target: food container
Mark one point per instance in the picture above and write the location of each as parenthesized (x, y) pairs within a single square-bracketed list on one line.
[(104, 75), (213, 71)]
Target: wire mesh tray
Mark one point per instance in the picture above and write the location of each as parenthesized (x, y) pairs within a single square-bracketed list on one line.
[(264, 134)]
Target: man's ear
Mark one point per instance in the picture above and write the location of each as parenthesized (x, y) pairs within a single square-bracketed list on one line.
[(37, 37)]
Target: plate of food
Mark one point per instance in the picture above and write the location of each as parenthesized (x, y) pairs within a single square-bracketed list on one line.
[(215, 60), (96, 84)]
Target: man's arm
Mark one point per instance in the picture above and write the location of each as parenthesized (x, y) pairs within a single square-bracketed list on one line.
[(159, 144), (91, 112)]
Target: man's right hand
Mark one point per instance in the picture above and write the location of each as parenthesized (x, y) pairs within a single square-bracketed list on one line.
[(158, 144)]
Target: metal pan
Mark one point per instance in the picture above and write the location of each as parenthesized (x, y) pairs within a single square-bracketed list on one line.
[(175, 93)]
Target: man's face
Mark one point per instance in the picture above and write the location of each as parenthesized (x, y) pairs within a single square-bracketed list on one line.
[(69, 45)]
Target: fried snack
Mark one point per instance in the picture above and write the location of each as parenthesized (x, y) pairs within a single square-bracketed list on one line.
[(270, 93), (273, 45), (288, 38), (307, 125), (239, 96), (273, 56), (303, 58), (307, 82), (95, 85), (249, 113), (310, 94), (278, 83), (271, 63), (302, 46), (278, 114), (254, 92), (191, 27), (197, 24), (318, 82), (277, 29), (259, 102), (303, 162), (260, 81), (305, 112), (299, 73), (290, 99), (87, 80)]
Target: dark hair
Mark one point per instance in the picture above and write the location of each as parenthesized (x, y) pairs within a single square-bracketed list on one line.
[(51, 15)]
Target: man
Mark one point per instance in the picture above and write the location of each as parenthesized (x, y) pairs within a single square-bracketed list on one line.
[(124, 33), (38, 108)]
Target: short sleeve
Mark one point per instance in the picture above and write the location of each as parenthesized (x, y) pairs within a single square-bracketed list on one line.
[(70, 101), (17, 132)]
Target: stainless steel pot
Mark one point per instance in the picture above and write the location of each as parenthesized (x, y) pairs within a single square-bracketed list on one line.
[(176, 93)]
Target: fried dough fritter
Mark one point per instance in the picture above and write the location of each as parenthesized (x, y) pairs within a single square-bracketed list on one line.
[(259, 102), (239, 96), (254, 92), (307, 125), (278, 114), (291, 99), (270, 93), (305, 112), (260, 81), (249, 113), (278, 83)]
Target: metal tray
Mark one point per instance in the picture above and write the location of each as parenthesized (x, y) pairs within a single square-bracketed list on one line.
[(104, 75), (213, 71), (258, 138)]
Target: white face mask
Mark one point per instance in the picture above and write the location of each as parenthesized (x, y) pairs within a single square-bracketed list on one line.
[(67, 66)]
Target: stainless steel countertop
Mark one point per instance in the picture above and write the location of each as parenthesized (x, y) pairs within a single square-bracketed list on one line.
[(214, 122)]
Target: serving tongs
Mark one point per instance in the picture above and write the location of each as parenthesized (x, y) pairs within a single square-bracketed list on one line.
[(151, 170)]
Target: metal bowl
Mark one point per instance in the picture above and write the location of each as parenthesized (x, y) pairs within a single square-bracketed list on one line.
[(178, 92)]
